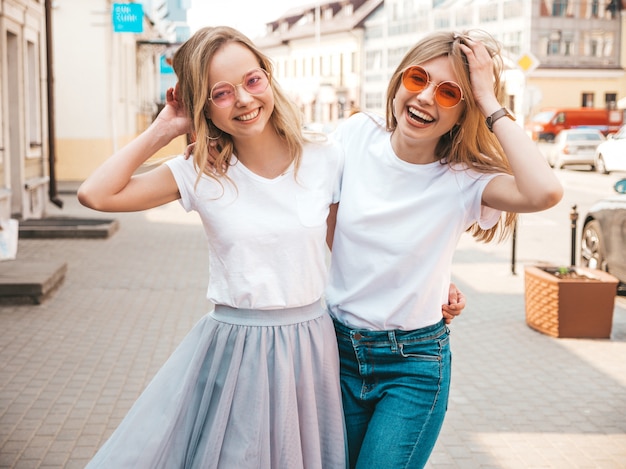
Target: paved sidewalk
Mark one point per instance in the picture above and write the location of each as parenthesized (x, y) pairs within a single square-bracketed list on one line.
[(71, 367)]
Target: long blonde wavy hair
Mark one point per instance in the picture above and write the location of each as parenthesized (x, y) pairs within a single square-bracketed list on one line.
[(469, 142), (191, 64)]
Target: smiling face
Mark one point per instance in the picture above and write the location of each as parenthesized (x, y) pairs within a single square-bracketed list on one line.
[(421, 119), (249, 114)]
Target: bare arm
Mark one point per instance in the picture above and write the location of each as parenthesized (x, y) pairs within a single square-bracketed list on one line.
[(331, 221), (113, 187), (533, 185)]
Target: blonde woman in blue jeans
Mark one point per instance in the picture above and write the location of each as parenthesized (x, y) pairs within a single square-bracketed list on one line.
[(447, 159), (410, 188)]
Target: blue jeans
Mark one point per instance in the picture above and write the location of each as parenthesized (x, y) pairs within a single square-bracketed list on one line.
[(395, 386)]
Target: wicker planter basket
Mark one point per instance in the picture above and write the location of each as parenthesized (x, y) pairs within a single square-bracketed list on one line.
[(577, 307)]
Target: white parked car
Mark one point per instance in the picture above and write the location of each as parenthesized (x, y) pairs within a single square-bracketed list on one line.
[(574, 146), (611, 154)]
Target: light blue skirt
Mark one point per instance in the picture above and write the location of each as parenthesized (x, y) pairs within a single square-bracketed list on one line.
[(244, 389)]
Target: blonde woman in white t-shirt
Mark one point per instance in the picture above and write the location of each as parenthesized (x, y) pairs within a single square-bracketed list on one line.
[(447, 159), (255, 384)]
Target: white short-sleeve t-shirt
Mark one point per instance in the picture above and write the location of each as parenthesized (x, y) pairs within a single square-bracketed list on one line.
[(266, 237), (397, 228)]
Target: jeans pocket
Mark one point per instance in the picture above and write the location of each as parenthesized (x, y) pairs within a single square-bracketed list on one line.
[(432, 349), (407, 352)]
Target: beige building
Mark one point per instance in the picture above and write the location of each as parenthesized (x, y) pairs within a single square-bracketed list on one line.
[(106, 82), (73, 90), (24, 170)]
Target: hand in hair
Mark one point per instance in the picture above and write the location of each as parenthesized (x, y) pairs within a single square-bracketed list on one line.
[(211, 154), (174, 114)]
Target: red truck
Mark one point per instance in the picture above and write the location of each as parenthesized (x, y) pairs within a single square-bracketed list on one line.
[(550, 121)]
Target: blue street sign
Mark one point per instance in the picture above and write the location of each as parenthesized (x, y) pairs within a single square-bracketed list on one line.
[(127, 17), (165, 66)]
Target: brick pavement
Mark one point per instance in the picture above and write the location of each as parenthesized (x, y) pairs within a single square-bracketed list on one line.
[(71, 367)]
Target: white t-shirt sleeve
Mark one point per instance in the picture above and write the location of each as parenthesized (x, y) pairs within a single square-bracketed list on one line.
[(488, 216), (337, 169), (185, 174)]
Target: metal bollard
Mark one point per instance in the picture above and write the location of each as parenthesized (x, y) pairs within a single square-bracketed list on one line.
[(573, 216), (513, 249)]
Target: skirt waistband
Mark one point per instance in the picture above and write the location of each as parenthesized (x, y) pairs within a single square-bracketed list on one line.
[(267, 317)]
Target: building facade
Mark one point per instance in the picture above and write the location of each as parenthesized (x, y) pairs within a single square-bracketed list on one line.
[(318, 53), (332, 57), (74, 89), (580, 47), (24, 151), (566, 53), (107, 82)]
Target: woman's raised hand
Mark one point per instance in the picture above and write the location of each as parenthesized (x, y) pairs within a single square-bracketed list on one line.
[(481, 68), (210, 157), (173, 116)]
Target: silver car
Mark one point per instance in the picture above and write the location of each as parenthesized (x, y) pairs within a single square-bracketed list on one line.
[(611, 155), (574, 146), (603, 240)]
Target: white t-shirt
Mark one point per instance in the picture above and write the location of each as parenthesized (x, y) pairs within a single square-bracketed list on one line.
[(397, 228), (266, 237)]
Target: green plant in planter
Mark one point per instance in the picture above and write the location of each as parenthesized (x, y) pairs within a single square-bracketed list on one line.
[(568, 272)]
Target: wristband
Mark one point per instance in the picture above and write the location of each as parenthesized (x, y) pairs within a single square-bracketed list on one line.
[(497, 115)]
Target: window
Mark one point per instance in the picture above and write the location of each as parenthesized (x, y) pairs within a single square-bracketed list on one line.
[(587, 100), (598, 44), (568, 45), (325, 66), (595, 9), (559, 7), (33, 107), (373, 60), (554, 43), (488, 13), (331, 66), (610, 100), (374, 32), (373, 100), (614, 7), (394, 56), (512, 42), (553, 47), (512, 9), (463, 17)]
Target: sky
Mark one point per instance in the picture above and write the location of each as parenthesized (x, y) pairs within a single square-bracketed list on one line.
[(248, 16)]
